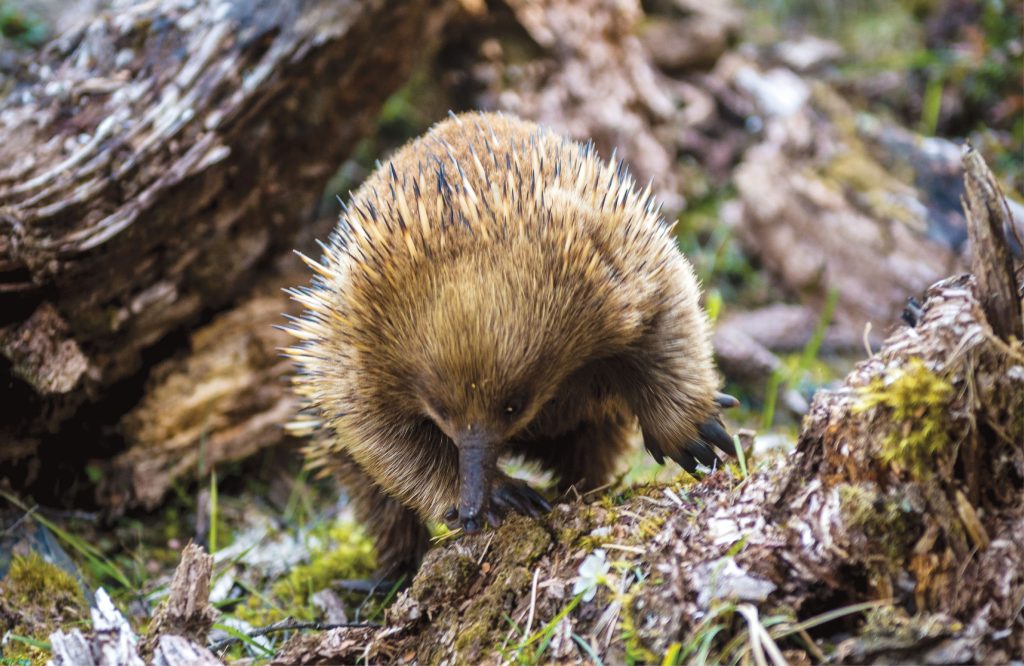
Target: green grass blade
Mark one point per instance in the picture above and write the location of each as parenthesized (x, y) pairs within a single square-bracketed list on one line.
[(213, 512), (586, 647), (813, 346), (244, 638), (32, 642), (99, 562)]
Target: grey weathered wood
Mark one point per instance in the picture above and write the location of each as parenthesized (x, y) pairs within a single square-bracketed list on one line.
[(155, 159), (110, 643), (989, 222), (178, 651)]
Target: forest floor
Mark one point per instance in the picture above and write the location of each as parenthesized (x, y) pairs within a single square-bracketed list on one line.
[(285, 546)]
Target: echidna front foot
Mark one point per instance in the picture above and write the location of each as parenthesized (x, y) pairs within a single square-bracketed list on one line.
[(699, 451), (514, 495), (507, 495)]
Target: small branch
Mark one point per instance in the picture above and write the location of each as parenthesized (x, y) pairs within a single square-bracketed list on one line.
[(17, 523), (288, 625)]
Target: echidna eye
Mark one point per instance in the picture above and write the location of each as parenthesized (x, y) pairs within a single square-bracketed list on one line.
[(513, 408)]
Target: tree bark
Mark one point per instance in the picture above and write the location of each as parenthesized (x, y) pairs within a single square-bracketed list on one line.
[(155, 163)]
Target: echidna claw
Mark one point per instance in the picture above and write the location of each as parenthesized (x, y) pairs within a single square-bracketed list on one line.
[(726, 401), (515, 495), (507, 495), (713, 431)]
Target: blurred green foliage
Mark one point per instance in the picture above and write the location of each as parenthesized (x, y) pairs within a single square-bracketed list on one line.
[(959, 64), (21, 27), (722, 267)]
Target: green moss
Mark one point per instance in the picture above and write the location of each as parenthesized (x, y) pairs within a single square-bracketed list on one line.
[(888, 523), (489, 581), (23, 28), (444, 576), (631, 638), (346, 553), (521, 542), (349, 558), (36, 599), (487, 613), (890, 627), (918, 401), (650, 526)]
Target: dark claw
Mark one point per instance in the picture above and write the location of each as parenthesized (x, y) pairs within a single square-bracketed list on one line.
[(655, 449), (726, 401), (686, 461), (506, 502), (714, 432), (912, 312), (702, 452), (520, 497), (494, 518), (510, 495)]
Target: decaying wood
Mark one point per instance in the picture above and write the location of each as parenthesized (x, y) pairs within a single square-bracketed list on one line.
[(822, 212), (177, 651), (782, 327), (824, 193), (110, 643), (155, 159), (176, 633), (339, 646), (187, 611), (991, 259), (689, 34), (225, 399), (746, 342), (594, 78)]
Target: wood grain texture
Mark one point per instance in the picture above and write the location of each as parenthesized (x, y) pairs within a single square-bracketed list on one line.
[(154, 161)]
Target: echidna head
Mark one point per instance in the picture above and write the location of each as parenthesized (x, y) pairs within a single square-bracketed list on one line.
[(493, 348), (496, 336)]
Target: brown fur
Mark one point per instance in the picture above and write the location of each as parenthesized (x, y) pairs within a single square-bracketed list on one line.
[(496, 285)]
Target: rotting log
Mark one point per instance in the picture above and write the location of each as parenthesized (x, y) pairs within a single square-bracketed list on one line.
[(828, 198), (901, 510), (991, 258), (154, 163), (592, 76), (176, 633), (834, 526)]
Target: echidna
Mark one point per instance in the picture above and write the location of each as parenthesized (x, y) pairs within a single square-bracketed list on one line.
[(496, 289)]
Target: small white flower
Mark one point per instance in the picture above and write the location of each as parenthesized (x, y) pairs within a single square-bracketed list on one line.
[(592, 572)]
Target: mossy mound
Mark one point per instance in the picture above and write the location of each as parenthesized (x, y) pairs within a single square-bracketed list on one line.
[(36, 598)]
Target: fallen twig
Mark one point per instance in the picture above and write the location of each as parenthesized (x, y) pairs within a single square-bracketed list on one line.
[(289, 625)]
